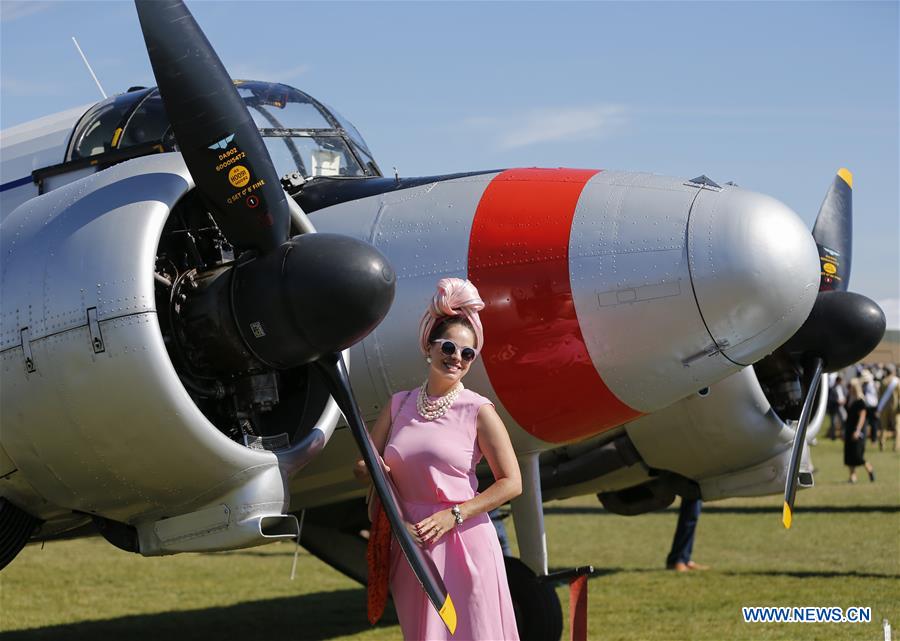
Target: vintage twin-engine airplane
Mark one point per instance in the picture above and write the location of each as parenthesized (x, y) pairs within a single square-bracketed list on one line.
[(173, 314)]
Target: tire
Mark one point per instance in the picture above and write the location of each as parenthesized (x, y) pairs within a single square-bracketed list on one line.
[(16, 527), (537, 607)]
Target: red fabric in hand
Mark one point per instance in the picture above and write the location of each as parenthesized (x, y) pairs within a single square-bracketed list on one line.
[(378, 559)]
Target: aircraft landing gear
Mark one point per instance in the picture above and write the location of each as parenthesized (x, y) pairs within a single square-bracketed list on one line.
[(538, 610), (16, 527)]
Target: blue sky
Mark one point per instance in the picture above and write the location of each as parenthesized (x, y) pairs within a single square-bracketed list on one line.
[(774, 96)]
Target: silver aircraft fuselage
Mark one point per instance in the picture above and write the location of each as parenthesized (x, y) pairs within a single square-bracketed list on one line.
[(613, 298)]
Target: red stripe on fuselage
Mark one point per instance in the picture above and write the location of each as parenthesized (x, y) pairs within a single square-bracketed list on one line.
[(534, 351)]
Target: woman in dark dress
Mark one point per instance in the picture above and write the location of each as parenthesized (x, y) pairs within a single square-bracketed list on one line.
[(854, 432)]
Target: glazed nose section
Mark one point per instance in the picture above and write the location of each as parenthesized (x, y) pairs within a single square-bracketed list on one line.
[(754, 268)]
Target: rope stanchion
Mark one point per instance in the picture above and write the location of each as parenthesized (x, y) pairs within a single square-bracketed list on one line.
[(578, 592)]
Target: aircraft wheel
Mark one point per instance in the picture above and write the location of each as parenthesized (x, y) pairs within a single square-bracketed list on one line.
[(538, 611), (16, 527)]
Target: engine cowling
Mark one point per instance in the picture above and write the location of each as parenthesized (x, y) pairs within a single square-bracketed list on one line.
[(102, 415)]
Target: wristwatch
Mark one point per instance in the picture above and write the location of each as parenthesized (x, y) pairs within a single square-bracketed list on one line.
[(457, 514)]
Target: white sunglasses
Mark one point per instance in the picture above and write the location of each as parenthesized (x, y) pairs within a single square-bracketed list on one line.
[(449, 348)]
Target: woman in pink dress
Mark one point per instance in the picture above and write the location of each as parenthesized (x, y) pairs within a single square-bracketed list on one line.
[(440, 432)]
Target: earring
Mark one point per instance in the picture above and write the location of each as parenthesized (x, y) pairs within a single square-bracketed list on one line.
[(427, 359)]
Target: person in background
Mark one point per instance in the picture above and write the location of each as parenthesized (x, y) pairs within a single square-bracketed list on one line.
[(836, 406), (889, 405), (855, 432), (500, 527), (679, 558), (870, 396)]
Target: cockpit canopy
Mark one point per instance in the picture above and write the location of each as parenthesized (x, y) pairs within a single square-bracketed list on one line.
[(301, 134)]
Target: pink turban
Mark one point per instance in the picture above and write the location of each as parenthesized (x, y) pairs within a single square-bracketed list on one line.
[(454, 297)]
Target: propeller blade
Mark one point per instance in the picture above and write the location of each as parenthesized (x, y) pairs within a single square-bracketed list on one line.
[(814, 365), (216, 135), (833, 233), (332, 366)]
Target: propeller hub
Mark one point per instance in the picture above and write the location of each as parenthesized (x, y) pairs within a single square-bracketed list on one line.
[(316, 294), (842, 328)]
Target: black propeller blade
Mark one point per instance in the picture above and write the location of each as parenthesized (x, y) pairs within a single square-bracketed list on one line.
[(216, 135), (833, 233), (841, 328), (339, 386), (793, 479)]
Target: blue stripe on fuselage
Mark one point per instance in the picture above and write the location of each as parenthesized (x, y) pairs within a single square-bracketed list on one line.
[(12, 184)]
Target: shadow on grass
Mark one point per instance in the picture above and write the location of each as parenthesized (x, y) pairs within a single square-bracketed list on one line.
[(746, 509), (797, 574), (812, 574), (311, 617)]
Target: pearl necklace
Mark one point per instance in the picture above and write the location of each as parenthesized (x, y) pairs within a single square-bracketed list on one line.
[(433, 409)]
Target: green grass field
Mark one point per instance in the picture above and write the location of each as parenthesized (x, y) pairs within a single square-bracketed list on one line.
[(843, 550)]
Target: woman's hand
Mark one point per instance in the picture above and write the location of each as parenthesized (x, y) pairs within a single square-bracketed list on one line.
[(361, 472), (856, 436), (432, 528)]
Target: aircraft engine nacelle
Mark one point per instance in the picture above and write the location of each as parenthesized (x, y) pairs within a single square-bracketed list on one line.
[(108, 409)]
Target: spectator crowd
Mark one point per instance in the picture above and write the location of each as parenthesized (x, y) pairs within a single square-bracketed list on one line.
[(863, 403)]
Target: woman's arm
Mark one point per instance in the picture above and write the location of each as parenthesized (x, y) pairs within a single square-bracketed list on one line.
[(493, 440), (859, 424), (379, 436)]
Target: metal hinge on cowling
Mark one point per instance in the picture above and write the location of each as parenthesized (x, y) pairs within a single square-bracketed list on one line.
[(94, 328), (25, 337)]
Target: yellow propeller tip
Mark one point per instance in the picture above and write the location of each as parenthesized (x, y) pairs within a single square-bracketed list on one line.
[(847, 175), (448, 614), (787, 516)]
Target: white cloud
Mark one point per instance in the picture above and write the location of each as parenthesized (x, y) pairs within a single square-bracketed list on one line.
[(14, 9), (891, 307), (552, 124)]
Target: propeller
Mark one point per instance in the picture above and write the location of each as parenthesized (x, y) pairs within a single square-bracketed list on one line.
[(293, 301), (427, 573), (841, 328)]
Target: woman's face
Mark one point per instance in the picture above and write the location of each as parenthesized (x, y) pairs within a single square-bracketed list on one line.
[(451, 368)]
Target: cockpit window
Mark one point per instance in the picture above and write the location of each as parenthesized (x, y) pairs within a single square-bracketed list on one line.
[(312, 156), (148, 123), (99, 130), (352, 131), (301, 134), (280, 107)]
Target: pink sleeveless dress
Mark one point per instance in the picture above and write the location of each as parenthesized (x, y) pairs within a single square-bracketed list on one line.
[(433, 467)]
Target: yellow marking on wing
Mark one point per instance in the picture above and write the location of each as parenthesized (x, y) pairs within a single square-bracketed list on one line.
[(847, 175), (787, 516), (448, 614)]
